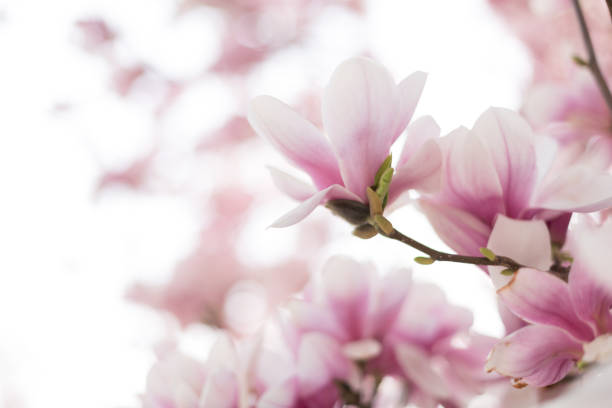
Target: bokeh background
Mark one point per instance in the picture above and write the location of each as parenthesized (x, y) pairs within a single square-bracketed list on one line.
[(123, 152)]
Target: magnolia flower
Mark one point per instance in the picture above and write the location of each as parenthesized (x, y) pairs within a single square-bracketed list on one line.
[(175, 381), (570, 320), (391, 327), (499, 167), (364, 111)]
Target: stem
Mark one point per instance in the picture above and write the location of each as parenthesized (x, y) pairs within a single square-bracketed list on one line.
[(592, 63), (446, 257)]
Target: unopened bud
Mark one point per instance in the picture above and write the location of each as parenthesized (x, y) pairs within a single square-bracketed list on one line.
[(423, 260), (354, 212), (365, 231)]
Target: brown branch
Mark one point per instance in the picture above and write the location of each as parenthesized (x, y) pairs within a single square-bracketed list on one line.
[(609, 3), (592, 63), (446, 257)]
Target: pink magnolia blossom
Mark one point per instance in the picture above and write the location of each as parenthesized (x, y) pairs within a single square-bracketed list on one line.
[(499, 167), (569, 320), (175, 381), (364, 112), (393, 327)]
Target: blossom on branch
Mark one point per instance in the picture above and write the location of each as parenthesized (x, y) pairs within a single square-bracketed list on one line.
[(364, 112)]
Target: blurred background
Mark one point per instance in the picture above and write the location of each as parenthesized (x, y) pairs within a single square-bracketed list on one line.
[(126, 163)]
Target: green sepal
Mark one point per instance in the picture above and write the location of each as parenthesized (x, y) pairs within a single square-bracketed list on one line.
[(508, 272), (386, 164), (487, 253), (423, 260)]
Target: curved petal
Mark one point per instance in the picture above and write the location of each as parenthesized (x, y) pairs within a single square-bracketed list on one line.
[(579, 188), (347, 288), (320, 362), (394, 289), (511, 145), (222, 390), (291, 186), (417, 366), (460, 230), (306, 207), (360, 107), (282, 395), (591, 299), (532, 249), (540, 297), (420, 131), (410, 90), (296, 138), (470, 175), (535, 355), (422, 172)]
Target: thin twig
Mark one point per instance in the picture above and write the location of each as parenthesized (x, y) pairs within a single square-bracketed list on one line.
[(446, 257), (592, 63), (609, 3)]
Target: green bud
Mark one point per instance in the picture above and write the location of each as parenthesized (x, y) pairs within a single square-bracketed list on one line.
[(487, 253), (385, 182), (508, 272), (579, 61), (423, 260), (376, 206), (386, 164)]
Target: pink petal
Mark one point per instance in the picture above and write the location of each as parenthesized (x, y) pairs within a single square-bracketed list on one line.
[(579, 188), (360, 107), (395, 287), (291, 186), (410, 90), (540, 297), (296, 138), (418, 133), (320, 361), (417, 366), (591, 299), (532, 249), (282, 395), (460, 230), (510, 142), (347, 290), (221, 390), (421, 172), (535, 355), (472, 181), (306, 207)]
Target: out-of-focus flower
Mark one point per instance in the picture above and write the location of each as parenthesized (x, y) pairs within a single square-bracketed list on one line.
[(356, 326), (95, 33), (364, 112), (570, 320), (175, 381), (499, 167)]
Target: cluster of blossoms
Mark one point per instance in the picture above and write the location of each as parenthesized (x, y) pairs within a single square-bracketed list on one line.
[(342, 344), (505, 195)]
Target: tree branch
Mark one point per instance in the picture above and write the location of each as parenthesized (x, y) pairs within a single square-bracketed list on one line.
[(592, 63), (609, 3), (446, 257)]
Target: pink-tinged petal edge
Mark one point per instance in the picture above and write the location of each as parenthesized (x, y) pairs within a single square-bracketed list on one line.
[(306, 207), (296, 138), (539, 297), (290, 185), (535, 355)]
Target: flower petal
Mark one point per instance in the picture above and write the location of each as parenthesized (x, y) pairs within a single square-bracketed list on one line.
[(306, 207), (296, 138), (347, 289), (395, 288), (511, 145), (592, 301), (360, 108), (470, 176), (320, 362), (282, 395), (422, 172), (535, 355), (532, 249), (418, 133), (540, 297), (291, 186), (410, 90), (460, 230), (417, 366), (579, 188)]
